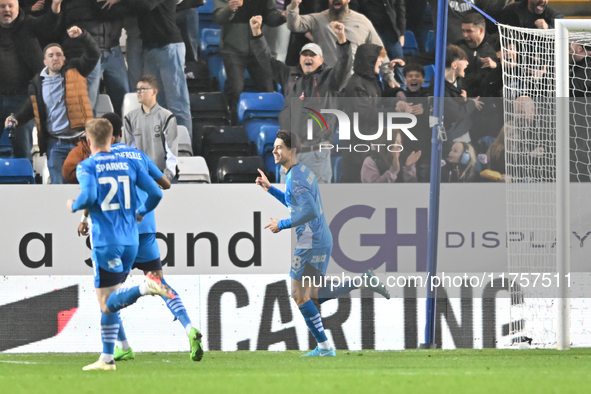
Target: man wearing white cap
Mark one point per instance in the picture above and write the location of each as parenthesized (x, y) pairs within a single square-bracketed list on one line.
[(310, 79), (359, 31)]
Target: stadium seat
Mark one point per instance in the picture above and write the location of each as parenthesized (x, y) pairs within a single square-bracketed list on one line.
[(430, 44), (429, 74), (411, 46), (210, 50), (207, 109), (206, 10), (265, 143), (259, 105), (239, 169), (253, 126), (208, 105), (129, 103), (199, 79), (209, 41), (185, 144), (266, 139), (193, 170), (104, 105), (16, 171), (223, 141), (215, 65), (5, 144)]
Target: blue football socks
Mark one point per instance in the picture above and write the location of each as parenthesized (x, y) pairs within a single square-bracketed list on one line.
[(123, 297), (109, 331), (314, 321), (176, 306), (329, 292)]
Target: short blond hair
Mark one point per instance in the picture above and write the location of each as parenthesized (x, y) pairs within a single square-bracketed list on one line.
[(99, 131)]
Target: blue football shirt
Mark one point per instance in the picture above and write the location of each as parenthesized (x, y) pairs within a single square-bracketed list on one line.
[(108, 189), (148, 225), (302, 197)]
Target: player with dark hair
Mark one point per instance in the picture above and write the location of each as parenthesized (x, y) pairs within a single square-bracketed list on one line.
[(108, 189), (314, 239)]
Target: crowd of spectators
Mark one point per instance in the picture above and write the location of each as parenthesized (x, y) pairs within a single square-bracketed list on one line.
[(321, 49)]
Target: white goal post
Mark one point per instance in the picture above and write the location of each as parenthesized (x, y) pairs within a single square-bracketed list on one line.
[(562, 44), (544, 153)]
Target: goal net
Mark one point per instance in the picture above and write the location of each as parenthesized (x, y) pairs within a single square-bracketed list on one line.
[(539, 167)]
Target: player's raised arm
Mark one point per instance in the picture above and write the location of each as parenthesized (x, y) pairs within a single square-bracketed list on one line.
[(264, 183)]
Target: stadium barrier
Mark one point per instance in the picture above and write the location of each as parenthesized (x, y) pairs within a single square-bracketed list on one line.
[(232, 275)]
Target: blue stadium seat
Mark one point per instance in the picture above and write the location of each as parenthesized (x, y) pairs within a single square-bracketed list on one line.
[(222, 77), (429, 74), (5, 145), (430, 44), (206, 17), (16, 171), (265, 143), (269, 160), (259, 105), (215, 65), (253, 126), (266, 139), (206, 10), (210, 41), (411, 46)]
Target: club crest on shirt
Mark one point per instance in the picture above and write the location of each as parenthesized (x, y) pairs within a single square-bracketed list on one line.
[(157, 131)]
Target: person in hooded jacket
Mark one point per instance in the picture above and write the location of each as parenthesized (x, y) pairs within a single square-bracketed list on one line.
[(312, 80), (362, 93)]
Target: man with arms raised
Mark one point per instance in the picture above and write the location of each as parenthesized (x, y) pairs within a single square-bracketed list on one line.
[(358, 28), (310, 79)]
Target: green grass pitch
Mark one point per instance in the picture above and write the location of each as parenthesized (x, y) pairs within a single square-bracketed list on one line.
[(367, 372)]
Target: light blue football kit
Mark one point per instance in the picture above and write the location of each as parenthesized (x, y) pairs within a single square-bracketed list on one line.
[(108, 190), (148, 256), (314, 239), (108, 184)]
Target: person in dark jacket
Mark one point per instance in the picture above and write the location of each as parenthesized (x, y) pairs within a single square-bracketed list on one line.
[(234, 16), (458, 107), (58, 101), (482, 58), (164, 52), (532, 14), (414, 100), (459, 9), (461, 164), (362, 95), (389, 19), (313, 84), (21, 57), (105, 26)]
